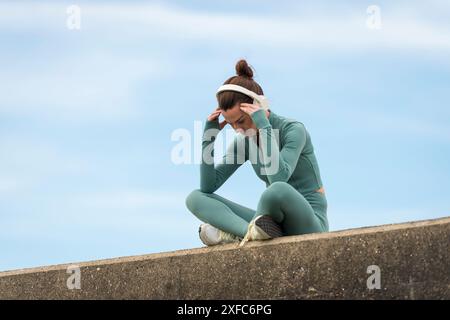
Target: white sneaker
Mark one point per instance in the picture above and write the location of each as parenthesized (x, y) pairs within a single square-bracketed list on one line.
[(262, 228), (212, 236)]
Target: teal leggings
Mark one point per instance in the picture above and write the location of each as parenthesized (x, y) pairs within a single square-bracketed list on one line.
[(295, 213)]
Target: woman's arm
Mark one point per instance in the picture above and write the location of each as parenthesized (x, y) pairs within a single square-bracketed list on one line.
[(280, 163), (211, 177)]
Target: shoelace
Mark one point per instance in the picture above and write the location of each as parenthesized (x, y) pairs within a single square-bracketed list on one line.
[(225, 236), (250, 228)]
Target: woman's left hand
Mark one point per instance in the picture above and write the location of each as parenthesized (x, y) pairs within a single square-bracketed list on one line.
[(249, 108)]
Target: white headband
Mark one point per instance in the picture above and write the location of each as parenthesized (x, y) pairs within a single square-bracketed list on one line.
[(257, 99)]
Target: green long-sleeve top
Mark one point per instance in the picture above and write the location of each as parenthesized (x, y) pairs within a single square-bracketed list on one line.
[(292, 151)]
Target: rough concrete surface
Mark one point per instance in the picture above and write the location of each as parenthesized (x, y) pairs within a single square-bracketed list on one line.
[(413, 261)]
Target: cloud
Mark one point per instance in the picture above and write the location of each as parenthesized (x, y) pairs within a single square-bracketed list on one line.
[(119, 45), (341, 30), (50, 71), (95, 85)]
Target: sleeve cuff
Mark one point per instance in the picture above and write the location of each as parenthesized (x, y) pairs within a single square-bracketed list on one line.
[(210, 136), (211, 124), (260, 119)]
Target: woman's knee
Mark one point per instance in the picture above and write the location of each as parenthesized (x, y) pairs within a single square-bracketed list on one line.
[(275, 193), (193, 200)]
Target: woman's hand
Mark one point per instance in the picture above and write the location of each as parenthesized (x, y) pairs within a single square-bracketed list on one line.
[(249, 108), (214, 116)]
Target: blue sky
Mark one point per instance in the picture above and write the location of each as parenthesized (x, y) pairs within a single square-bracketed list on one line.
[(86, 116)]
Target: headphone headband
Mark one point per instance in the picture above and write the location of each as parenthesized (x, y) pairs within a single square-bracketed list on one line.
[(257, 99)]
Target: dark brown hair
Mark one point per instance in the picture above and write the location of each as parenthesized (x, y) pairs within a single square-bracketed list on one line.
[(244, 78)]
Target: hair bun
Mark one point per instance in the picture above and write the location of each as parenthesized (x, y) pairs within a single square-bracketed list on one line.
[(243, 69)]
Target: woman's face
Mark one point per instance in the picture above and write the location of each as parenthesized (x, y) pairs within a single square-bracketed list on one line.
[(239, 120)]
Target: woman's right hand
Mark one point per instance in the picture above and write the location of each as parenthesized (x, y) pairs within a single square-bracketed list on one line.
[(214, 116)]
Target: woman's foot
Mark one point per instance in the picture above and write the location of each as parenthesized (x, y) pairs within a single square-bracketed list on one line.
[(262, 228), (212, 236)]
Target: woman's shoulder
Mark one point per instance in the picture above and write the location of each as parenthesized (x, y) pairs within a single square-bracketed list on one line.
[(283, 122)]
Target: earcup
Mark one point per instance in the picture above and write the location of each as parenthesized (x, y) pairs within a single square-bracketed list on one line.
[(262, 102)]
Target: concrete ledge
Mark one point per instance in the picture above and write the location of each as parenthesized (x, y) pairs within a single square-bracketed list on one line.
[(413, 259)]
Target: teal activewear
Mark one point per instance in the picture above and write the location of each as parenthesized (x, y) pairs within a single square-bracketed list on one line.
[(291, 197)]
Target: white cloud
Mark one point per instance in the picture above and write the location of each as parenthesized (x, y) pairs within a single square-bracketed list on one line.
[(97, 85), (343, 30), (96, 80)]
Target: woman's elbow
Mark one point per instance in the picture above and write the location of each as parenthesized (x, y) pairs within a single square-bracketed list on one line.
[(281, 176), (207, 189)]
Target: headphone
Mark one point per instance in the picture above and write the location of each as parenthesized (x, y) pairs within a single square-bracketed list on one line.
[(257, 99)]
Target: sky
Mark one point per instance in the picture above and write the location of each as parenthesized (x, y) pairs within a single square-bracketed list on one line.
[(91, 93)]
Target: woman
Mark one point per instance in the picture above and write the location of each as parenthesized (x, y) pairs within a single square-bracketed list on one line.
[(294, 201)]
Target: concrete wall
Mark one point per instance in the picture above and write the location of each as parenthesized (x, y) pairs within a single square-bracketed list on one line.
[(413, 261)]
